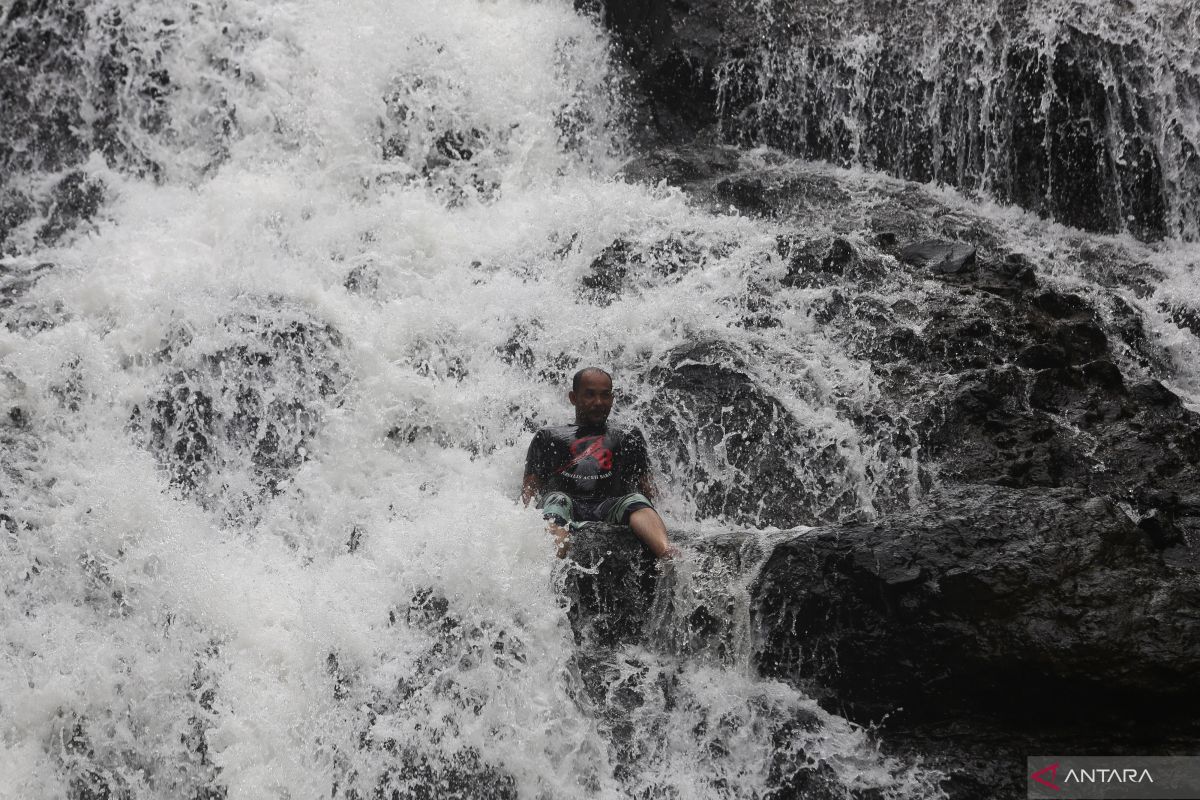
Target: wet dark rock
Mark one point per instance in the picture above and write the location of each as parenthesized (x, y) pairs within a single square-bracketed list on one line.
[(936, 256), (620, 596), (611, 597), (462, 776), (1061, 306), (434, 142), (775, 471), (1076, 426), (716, 176), (452, 647), (1104, 374), (794, 77), (363, 279), (516, 350), (1039, 412), (17, 311), (15, 209), (93, 771), (1183, 316), (965, 620), (1040, 386), (74, 199), (1081, 341), (771, 194), (818, 262), (669, 47), (960, 621), (54, 119), (746, 194), (609, 271), (684, 164), (1153, 393), (1042, 356), (249, 407), (981, 597), (626, 265)]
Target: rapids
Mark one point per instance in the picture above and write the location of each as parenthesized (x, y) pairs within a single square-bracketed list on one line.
[(267, 399)]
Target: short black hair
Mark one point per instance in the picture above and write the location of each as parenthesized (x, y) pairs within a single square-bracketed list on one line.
[(579, 376)]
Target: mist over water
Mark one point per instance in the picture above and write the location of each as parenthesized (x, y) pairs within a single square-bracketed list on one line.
[(267, 413)]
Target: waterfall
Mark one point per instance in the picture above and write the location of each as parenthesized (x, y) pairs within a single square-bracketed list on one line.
[(1084, 112), (287, 287)]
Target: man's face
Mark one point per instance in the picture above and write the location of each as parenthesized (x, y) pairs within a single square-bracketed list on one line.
[(593, 400)]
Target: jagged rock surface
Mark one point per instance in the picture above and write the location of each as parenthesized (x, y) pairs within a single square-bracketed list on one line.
[(982, 595), (962, 621), (1007, 377), (1021, 101)]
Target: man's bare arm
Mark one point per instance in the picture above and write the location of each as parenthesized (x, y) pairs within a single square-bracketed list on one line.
[(530, 487)]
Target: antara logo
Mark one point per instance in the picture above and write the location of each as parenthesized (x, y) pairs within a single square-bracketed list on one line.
[(1040, 777), (1047, 776), (1102, 775)]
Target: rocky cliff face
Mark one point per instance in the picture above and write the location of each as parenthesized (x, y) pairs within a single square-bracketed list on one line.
[(994, 368), (1082, 112), (1045, 554)]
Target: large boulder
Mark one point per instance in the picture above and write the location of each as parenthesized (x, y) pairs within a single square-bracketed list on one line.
[(982, 597), (988, 624), (628, 611), (612, 595), (743, 456), (1002, 374)]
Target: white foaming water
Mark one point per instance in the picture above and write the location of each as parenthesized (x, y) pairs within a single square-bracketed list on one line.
[(269, 418)]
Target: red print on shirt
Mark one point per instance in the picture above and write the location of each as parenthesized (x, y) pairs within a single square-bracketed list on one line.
[(589, 447)]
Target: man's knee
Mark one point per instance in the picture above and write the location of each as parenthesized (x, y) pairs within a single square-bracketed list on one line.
[(625, 507), (556, 507)]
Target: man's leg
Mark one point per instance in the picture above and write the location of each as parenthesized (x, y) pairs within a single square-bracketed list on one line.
[(556, 510), (636, 511), (562, 538), (648, 526)]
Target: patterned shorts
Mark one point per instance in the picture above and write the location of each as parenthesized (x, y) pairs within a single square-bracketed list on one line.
[(614, 510)]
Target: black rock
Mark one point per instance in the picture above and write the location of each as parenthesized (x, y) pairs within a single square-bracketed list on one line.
[(949, 258), (1042, 356), (770, 469), (249, 407), (981, 598), (612, 596), (74, 199), (682, 165), (817, 262), (605, 278)]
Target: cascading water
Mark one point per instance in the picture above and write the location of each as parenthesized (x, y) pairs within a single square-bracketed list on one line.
[(286, 289), (1084, 111)]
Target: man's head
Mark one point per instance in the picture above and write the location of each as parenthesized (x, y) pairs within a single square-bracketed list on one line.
[(592, 395)]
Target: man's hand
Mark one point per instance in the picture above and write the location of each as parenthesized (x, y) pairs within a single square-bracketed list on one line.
[(531, 487)]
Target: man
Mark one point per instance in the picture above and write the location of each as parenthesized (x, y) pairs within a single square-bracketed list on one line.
[(592, 471)]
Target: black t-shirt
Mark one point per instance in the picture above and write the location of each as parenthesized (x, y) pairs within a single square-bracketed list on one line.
[(587, 461)]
